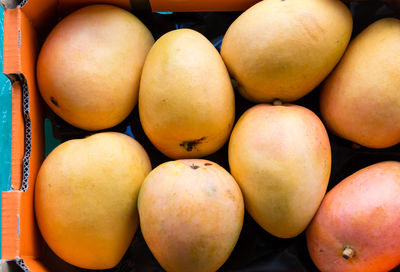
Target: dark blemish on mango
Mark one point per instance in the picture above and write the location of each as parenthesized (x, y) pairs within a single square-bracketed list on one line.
[(54, 101), (194, 166), (189, 145), (230, 195), (210, 190), (207, 164)]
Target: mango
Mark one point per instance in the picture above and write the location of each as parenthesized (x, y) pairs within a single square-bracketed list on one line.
[(191, 215), (360, 100), (280, 156), (357, 227), (186, 99), (282, 49), (89, 67), (85, 198)]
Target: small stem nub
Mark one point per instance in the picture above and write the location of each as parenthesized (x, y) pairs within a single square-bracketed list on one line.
[(277, 102), (348, 253)]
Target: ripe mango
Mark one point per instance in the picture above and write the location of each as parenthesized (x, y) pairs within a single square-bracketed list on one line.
[(360, 100), (282, 49), (89, 67), (357, 227), (186, 99), (191, 214), (85, 198), (281, 158)]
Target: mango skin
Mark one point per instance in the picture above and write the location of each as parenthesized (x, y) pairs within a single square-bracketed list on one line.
[(281, 158), (362, 212), (191, 214), (89, 67), (281, 49), (186, 99), (360, 100), (85, 198)]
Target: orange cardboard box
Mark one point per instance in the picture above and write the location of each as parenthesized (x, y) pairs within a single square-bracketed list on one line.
[(24, 27)]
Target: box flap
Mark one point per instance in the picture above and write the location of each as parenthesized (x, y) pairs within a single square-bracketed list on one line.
[(21, 238), (10, 231)]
